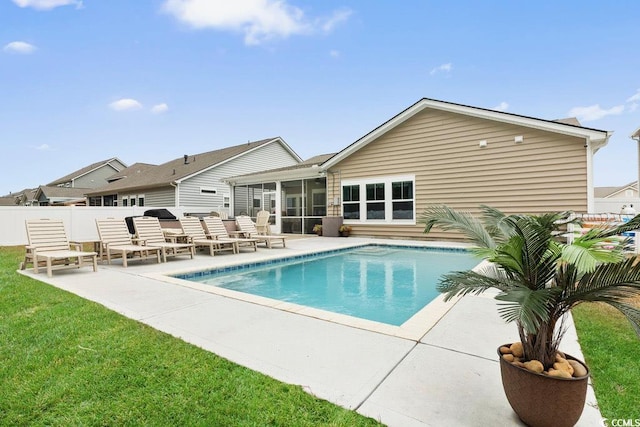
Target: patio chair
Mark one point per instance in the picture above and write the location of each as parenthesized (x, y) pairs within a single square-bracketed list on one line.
[(192, 228), (48, 243), (115, 240), (248, 228), (149, 232), (262, 222), (215, 228)]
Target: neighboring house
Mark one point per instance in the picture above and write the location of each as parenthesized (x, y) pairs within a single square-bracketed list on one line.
[(70, 188), (25, 197), (92, 176), (60, 196), (194, 180), (437, 152), (8, 201), (628, 191)]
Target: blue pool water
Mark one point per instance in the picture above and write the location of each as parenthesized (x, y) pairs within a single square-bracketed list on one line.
[(375, 282)]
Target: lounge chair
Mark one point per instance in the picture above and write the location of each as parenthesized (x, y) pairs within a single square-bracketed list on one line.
[(192, 228), (262, 222), (116, 240), (48, 242), (215, 228), (248, 228), (149, 232)]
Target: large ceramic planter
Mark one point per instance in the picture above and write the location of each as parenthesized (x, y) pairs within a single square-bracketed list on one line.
[(543, 401)]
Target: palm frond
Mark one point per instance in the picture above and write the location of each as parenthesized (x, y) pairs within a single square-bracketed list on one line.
[(631, 313), (609, 283), (494, 223), (586, 255), (530, 308), (449, 219), (462, 283), (631, 225)]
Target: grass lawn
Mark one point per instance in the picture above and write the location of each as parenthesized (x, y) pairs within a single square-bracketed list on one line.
[(68, 361), (612, 351)]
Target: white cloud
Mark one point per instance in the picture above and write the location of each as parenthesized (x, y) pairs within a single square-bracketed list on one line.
[(19, 47), (160, 108), (635, 98), (445, 68), (594, 112), (338, 17), (503, 106), (48, 4), (633, 107), (43, 147), (258, 20), (125, 104), (334, 53)]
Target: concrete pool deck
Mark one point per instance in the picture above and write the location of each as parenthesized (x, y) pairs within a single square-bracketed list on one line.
[(449, 375)]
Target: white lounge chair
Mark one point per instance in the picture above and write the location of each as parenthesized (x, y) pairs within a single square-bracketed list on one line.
[(149, 232), (248, 228), (262, 222), (48, 242), (192, 228), (116, 241), (215, 228)]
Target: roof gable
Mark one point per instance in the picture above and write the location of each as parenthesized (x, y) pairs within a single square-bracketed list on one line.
[(597, 137), (187, 166), (85, 170)]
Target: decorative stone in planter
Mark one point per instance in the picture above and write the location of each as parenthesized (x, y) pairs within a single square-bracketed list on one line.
[(542, 400)]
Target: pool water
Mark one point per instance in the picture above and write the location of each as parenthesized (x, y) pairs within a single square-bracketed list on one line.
[(383, 284)]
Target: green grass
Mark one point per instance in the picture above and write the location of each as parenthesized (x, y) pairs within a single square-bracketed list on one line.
[(612, 352), (68, 361)]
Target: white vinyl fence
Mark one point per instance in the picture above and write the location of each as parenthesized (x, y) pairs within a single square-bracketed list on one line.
[(79, 221), (615, 205)]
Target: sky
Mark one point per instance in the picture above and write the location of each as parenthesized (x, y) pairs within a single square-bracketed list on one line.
[(83, 81)]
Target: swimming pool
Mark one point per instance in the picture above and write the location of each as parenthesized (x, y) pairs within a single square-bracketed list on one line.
[(382, 283)]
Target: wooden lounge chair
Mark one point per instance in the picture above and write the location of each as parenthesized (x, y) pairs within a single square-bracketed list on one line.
[(48, 242), (248, 228), (149, 232), (262, 222), (192, 228), (215, 228), (116, 240)]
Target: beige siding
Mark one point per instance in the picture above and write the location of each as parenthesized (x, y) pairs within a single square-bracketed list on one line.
[(547, 172)]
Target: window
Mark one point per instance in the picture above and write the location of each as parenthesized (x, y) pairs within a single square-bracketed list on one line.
[(402, 199), (351, 201), (141, 200), (375, 201), (133, 201), (125, 201), (386, 200), (225, 200)]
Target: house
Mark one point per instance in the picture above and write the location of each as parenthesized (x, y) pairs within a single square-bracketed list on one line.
[(70, 188), (24, 197), (194, 179), (438, 152), (624, 192), (93, 176), (60, 196)]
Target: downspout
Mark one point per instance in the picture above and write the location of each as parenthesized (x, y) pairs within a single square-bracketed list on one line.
[(175, 194), (590, 190), (636, 137)]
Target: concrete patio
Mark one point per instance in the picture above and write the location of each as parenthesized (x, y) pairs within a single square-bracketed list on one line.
[(448, 376)]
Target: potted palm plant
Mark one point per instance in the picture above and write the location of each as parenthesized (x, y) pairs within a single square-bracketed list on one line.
[(540, 278)]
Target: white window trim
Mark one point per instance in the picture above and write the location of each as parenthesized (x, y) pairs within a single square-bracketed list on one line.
[(388, 201)]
